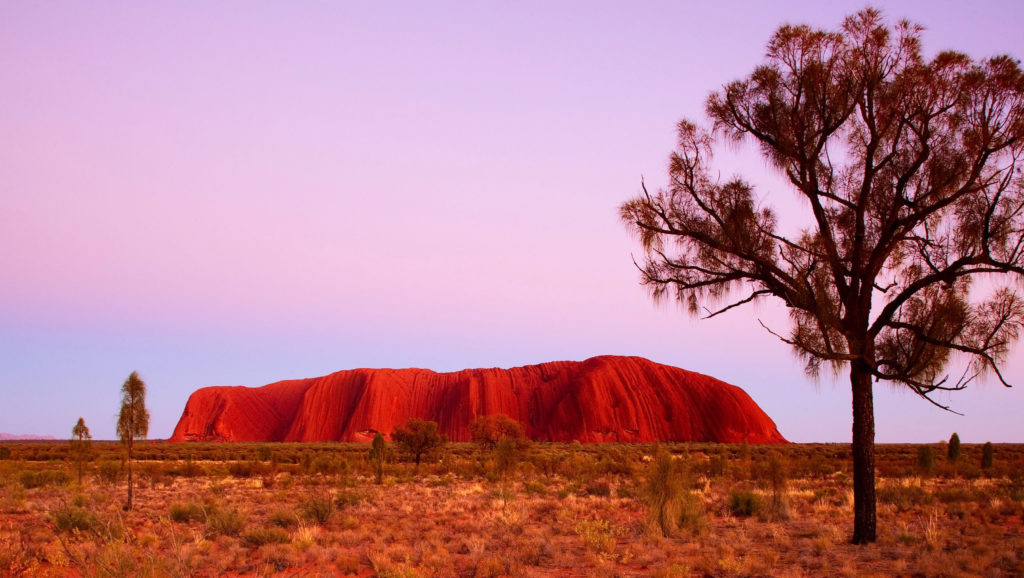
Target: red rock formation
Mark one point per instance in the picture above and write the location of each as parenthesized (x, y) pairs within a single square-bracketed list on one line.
[(624, 399)]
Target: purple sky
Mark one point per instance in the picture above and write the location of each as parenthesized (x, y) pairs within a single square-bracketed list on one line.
[(238, 193)]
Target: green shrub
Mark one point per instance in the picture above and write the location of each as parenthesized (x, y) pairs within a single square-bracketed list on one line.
[(109, 471), (599, 488), (318, 508), (31, 479), (926, 460), (187, 512), (283, 518), (671, 505), (904, 497), (266, 535), (744, 503), (67, 519), (953, 449), (987, 456), (229, 522)]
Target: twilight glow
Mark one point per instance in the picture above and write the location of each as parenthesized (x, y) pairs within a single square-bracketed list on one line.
[(237, 193)]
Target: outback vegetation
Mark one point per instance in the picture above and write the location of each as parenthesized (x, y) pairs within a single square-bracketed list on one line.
[(475, 509)]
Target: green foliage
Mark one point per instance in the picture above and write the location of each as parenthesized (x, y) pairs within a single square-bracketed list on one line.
[(225, 522), (80, 447), (187, 512), (953, 449), (31, 479), (318, 507), (377, 456), (598, 535), (489, 430), (283, 518), (266, 535), (670, 504), (73, 518), (903, 498), (133, 420), (743, 502), (418, 438), (987, 456), (109, 471), (263, 453), (926, 459)]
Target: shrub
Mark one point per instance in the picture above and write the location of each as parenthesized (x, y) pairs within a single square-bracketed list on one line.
[(229, 522), (926, 459), (37, 479), (904, 497), (377, 457), (600, 488), (5, 453), (744, 503), (187, 512), (418, 438), (953, 449), (67, 519), (266, 535), (598, 535), (283, 518), (669, 501), (987, 452), (109, 471), (318, 508)]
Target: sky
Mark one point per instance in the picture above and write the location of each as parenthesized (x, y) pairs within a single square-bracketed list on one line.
[(235, 193)]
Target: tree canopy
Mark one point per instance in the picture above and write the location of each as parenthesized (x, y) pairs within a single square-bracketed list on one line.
[(909, 173)]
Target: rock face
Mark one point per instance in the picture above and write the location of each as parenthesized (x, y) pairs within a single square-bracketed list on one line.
[(602, 399)]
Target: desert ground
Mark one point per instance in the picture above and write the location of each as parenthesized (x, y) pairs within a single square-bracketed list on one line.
[(247, 509)]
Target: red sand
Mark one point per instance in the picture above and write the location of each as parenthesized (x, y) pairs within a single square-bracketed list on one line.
[(602, 399)]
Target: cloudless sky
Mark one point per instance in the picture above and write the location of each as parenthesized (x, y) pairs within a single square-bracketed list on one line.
[(235, 193)]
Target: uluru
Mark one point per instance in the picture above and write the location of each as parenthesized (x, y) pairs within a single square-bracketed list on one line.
[(601, 399)]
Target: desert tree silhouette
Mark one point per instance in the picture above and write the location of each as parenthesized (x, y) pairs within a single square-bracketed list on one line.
[(909, 171)]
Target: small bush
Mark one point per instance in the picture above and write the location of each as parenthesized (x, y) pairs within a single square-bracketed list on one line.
[(283, 518), (744, 503), (987, 454), (229, 522), (599, 488), (67, 519), (926, 460), (187, 512), (32, 479), (318, 508), (904, 497), (109, 471), (266, 535)]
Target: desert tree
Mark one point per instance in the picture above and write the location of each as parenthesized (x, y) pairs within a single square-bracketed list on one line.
[(418, 438), (132, 421), (911, 188), (80, 446)]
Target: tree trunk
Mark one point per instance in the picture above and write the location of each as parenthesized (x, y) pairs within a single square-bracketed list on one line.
[(863, 455)]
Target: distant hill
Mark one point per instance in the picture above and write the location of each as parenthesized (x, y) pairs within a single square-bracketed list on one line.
[(6, 437), (603, 399)]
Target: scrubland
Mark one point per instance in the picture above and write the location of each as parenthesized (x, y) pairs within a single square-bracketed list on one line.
[(546, 509)]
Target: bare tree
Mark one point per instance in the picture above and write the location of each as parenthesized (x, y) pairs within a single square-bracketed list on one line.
[(80, 446), (133, 421), (911, 178)]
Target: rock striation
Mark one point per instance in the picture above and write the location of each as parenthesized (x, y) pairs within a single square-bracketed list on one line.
[(602, 399)]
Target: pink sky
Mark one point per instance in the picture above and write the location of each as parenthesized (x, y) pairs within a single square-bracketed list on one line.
[(237, 193)]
